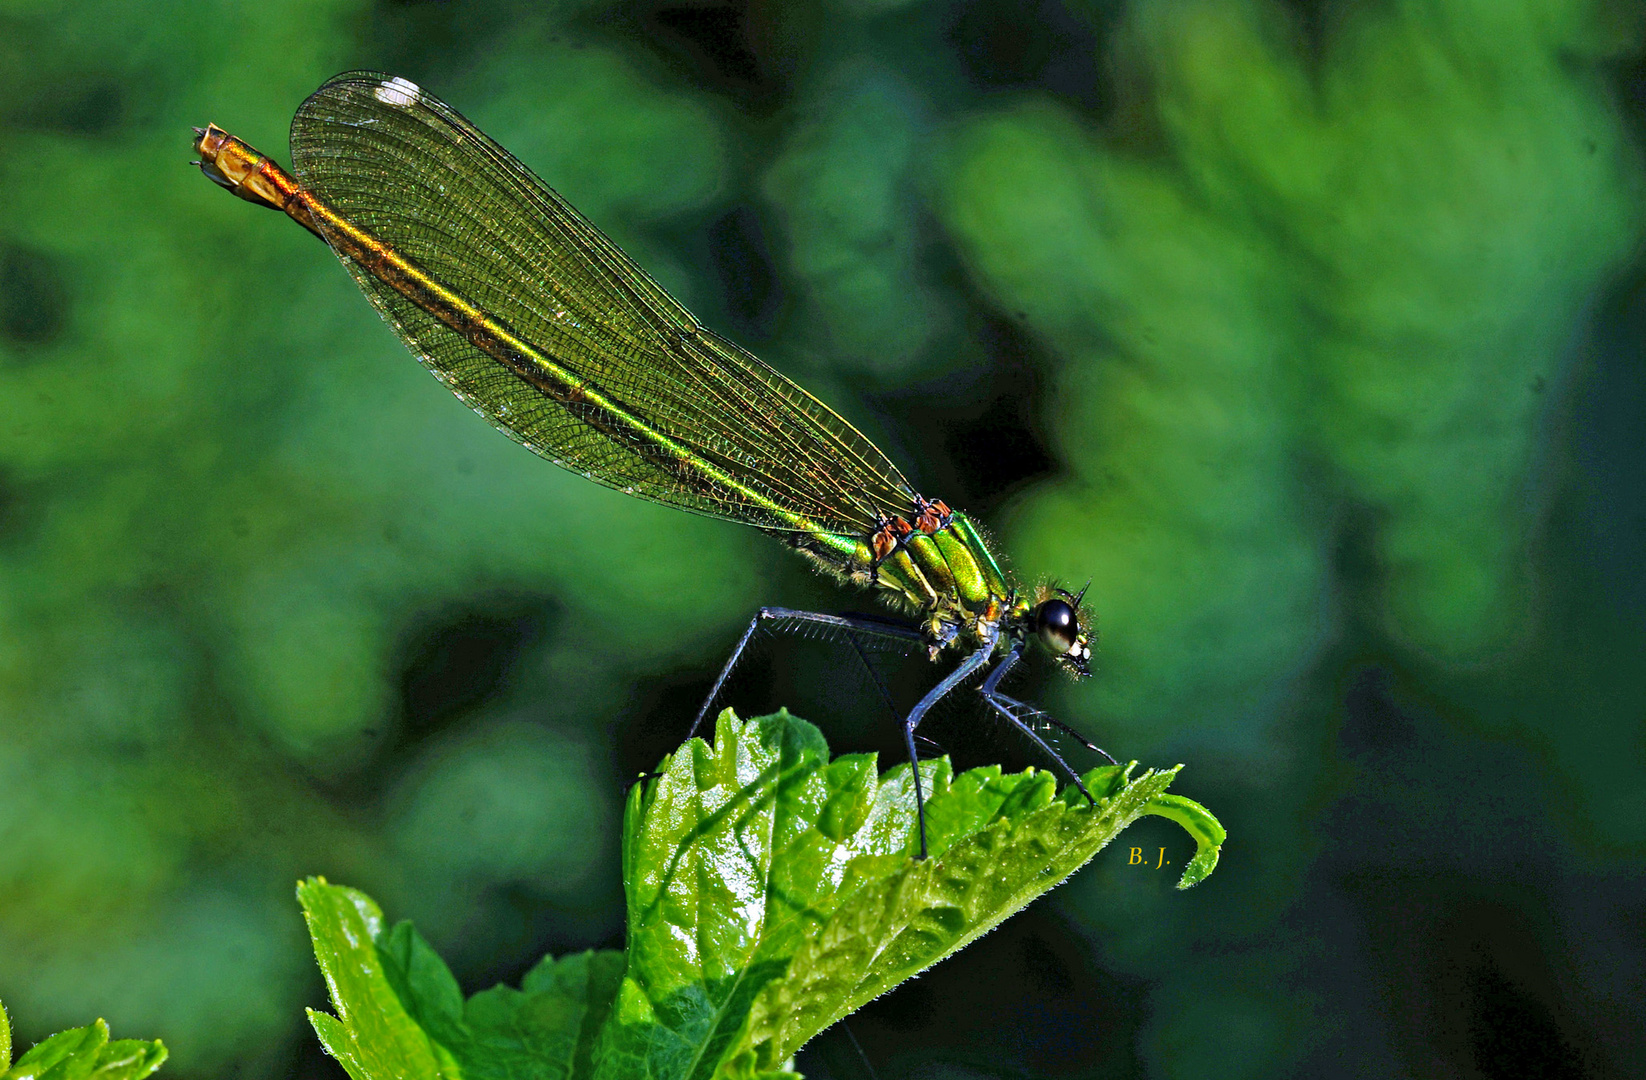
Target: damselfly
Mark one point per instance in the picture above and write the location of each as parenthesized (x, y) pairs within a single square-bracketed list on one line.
[(539, 323)]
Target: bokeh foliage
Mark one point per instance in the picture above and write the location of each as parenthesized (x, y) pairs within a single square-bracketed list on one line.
[(1317, 322)]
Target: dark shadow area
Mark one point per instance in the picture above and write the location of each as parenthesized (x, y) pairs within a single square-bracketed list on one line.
[(746, 51), (1048, 45), (304, 1057), (452, 662), (976, 441), (461, 658), (1457, 924), (742, 261), (92, 106), (510, 927), (432, 41), (1023, 1000), (1610, 446), (1473, 993), (714, 37), (34, 296)]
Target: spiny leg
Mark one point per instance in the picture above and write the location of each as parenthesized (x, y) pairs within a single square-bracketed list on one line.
[(1031, 711), (1038, 741), (959, 675), (848, 623), (874, 674), (1044, 717), (859, 1048), (886, 693), (1005, 706)]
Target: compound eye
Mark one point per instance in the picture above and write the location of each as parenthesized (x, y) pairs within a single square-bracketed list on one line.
[(1057, 625)]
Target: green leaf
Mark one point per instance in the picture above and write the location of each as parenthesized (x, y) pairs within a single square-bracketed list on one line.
[(425, 986), (5, 1038), (400, 1012), (546, 1029), (373, 1035), (771, 891), (84, 1053)]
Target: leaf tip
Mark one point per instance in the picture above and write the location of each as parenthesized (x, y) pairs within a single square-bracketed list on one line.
[(1199, 823), (1200, 867)]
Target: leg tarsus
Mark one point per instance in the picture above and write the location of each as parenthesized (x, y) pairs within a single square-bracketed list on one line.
[(919, 795), (874, 676), (1046, 717), (931, 744), (1038, 741), (1005, 706), (953, 679)]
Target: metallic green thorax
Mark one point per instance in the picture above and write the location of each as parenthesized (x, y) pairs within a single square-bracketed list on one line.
[(947, 576)]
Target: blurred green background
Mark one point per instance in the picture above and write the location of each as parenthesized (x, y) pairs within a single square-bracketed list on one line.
[(1311, 332)]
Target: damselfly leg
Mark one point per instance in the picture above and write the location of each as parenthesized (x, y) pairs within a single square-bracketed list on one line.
[(789, 618), (1016, 712), (967, 668), (1019, 713)]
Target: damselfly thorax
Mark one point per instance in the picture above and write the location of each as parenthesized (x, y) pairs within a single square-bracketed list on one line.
[(540, 323)]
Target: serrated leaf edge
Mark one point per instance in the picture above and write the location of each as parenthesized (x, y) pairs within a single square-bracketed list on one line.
[(1113, 814)]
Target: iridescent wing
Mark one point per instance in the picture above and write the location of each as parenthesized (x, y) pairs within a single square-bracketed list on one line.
[(718, 432)]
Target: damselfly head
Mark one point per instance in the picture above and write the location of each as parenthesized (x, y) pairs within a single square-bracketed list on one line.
[(1061, 628)]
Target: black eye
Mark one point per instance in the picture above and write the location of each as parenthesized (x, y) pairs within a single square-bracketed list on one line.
[(1057, 625)]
